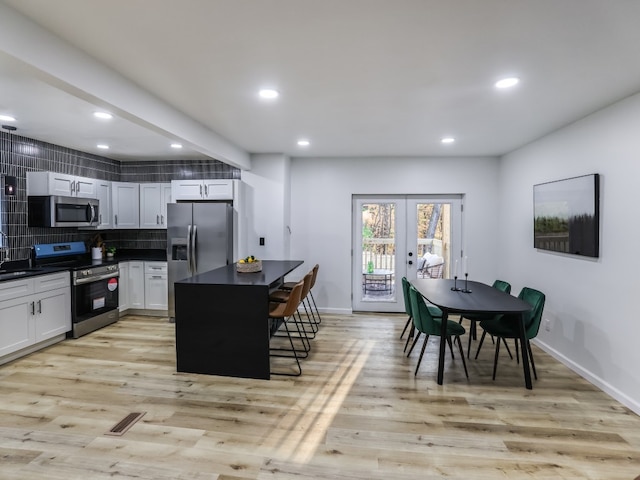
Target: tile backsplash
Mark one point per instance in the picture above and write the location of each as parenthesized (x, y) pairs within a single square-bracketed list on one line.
[(19, 155)]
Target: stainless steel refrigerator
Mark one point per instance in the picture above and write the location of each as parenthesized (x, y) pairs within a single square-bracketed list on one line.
[(199, 239)]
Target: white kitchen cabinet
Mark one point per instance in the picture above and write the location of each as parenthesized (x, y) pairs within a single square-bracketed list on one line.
[(153, 204), (103, 190), (155, 286), (125, 201), (136, 284), (62, 184), (33, 311), (213, 189), (123, 291)]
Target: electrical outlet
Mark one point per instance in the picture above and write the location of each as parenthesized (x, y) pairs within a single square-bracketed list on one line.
[(547, 325)]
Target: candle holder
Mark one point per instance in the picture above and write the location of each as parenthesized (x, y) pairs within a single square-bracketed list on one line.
[(455, 285), (465, 289)]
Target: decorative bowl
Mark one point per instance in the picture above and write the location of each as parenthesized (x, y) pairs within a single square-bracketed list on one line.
[(255, 266)]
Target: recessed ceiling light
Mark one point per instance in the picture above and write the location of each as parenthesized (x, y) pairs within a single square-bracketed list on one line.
[(269, 93), (103, 115), (103, 146), (448, 140), (7, 118), (507, 82), (303, 143), (176, 145)]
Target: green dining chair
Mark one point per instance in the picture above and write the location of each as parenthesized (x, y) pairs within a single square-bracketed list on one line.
[(435, 312), (506, 326), (477, 317), (426, 323)]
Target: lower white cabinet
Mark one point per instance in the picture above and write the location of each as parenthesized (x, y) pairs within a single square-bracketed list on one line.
[(155, 286), (123, 291), (34, 310), (143, 285), (136, 284)]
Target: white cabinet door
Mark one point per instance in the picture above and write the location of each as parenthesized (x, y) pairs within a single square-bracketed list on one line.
[(156, 286), (125, 198), (123, 289), (52, 313), (84, 187), (166, 198), (136, 284), (53, 183), (103, 191), (150, 201), (218, 189), (187, 190), (16, 325)]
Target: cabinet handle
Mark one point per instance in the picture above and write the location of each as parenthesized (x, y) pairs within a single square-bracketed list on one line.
[(39, 306), (206, 191), (200, 190), (100, 216), (33, 308), (161, 219), (156, 276), (73, 186), (116, 218), (157, 219)]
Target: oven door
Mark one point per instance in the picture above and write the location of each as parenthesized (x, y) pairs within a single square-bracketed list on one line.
[(94, 298)]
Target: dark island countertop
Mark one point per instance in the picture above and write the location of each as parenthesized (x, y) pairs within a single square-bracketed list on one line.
[(272, 271)]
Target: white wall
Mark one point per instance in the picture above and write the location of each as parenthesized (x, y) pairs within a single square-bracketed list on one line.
[(266, 200), (591, 303), (321, 223)]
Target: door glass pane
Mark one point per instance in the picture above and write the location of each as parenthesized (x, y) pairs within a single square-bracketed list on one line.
[(434, 239), (378, 251)]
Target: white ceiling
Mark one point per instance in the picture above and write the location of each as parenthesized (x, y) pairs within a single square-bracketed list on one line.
[(357, 77)]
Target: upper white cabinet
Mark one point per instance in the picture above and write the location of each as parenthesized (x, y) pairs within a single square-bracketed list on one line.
[(125, 202), (202, 189), (103, 189), (153, 204), (62, 184)]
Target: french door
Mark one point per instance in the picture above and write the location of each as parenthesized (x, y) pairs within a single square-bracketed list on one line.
[(401, 236)]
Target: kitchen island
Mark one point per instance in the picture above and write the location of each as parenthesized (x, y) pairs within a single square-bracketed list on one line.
[(222, 325)]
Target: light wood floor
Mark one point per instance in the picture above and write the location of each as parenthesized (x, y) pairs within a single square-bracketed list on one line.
[(357, 412)]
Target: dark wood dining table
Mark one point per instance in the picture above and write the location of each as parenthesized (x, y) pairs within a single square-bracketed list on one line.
[(483, 299)]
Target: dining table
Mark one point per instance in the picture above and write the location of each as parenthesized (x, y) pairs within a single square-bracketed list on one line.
[(460, 297)]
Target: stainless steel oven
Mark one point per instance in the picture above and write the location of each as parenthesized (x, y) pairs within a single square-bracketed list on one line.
[(94, 284), (94, 298)]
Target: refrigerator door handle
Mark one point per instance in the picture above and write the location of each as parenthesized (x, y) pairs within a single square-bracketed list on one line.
[(189, 253), (194, 239)]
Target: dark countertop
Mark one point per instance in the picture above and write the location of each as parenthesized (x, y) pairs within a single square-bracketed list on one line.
[(272, 270), (19, 269), (20, 273)]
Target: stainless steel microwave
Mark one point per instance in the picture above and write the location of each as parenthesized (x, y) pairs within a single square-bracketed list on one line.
[(53, 211)]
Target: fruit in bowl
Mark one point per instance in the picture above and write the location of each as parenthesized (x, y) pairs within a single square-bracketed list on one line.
[(249, 264)]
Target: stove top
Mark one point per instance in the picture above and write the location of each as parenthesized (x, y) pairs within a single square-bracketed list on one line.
[(71, 255)]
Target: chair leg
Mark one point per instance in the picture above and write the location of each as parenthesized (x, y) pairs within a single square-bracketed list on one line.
[(450, 347), (424, 345), (472, 333), (495, 359), (533, 364), (507, 346), (414, 343), (484, 334), (464, 363), (293, 350), (406, 325), (316, 307), (412, 332)]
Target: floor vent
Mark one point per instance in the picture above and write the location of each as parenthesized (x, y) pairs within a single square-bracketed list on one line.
[(125, 424)]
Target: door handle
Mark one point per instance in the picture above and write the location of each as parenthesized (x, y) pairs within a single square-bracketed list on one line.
[(189, 269), (39, 306), (194, 248), (33, 308)]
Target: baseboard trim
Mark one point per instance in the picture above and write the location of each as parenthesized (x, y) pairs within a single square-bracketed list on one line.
[(591, 378)]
